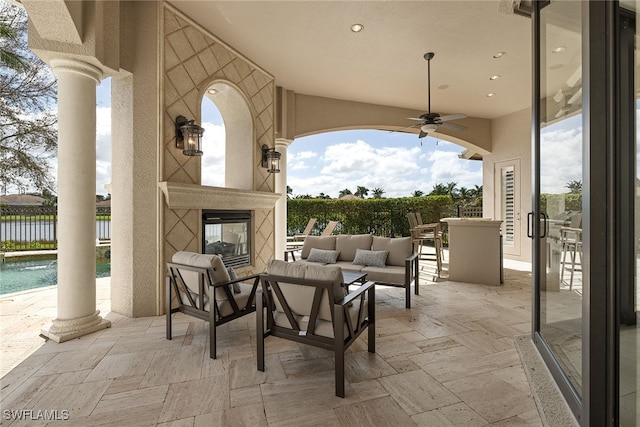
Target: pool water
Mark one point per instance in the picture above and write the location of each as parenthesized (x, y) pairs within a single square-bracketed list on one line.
[(18, 276)]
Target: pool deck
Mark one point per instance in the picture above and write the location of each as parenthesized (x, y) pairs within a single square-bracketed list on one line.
[(23, 314)]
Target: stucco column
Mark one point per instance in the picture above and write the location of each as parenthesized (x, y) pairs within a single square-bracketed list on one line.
[(281, 205), (77, 314)]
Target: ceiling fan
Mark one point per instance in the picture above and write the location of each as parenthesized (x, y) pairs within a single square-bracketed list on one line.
[(429, 121)]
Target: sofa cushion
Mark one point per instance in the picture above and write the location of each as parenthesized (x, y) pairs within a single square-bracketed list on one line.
[(390, 274), (318, 242), (323, 255), (213, 263), (372, 258), (400, 248), (300, 297), (347, 245), (349, 266)]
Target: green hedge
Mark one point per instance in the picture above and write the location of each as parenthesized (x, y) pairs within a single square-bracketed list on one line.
[(381, 217)]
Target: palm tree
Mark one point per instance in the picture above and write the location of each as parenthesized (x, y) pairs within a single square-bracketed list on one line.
[(361, 191), (344, 192), (439, 190), (417, 193), (575, 187), (377, 193)]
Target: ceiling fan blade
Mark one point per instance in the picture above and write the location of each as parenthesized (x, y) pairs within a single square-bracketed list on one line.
[(415, 118), (452, 117), (406, 127), (454, 126)]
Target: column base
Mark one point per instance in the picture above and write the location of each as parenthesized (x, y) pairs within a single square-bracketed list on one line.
[(65, 330)]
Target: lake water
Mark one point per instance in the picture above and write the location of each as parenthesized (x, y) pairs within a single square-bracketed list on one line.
[(23, 275)]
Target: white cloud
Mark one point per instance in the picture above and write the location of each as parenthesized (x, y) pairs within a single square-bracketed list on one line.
[(398, 170), (103, 149), (560, 159), (213, 159)]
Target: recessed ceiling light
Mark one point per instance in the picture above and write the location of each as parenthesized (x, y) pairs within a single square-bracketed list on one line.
[(559, 49), (212, 91), (489, 95), (495, 77), (356, 28), (499, 55)]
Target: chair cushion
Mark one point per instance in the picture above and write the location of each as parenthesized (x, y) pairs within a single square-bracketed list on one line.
[(393, 274), (323, 255), (213, 263), (323, 327), (400, 248), (370, 258), (348, 243), (318, 242), (300, 297)]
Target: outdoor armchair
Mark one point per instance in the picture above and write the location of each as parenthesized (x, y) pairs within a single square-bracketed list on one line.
[(200, 285), (308, 304)]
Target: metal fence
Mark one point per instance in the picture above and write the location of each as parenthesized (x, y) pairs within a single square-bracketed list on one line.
[(36, 227), (470, 212)]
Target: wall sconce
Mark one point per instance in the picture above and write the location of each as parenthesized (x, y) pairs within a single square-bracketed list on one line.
[(270, 159), (188, 137)]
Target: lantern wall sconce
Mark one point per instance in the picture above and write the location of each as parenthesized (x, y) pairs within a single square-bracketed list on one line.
[(188, 137), (270, 159)]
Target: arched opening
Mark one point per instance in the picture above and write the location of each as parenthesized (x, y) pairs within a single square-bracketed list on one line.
[(387, 164), (228, 139)]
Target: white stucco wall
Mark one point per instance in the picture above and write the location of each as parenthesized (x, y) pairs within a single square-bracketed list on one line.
[(511, 140)]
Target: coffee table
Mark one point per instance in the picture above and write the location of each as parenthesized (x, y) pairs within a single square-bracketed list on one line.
[(353, 277)]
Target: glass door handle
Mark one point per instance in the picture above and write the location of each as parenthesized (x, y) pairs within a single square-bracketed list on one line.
[(529, 223), (544, 224)]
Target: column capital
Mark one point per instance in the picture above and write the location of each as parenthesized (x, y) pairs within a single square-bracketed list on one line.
[(76, 66), (283, 143)]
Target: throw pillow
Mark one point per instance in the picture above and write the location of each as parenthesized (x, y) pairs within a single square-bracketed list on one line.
[(323, 255), (370, 258)]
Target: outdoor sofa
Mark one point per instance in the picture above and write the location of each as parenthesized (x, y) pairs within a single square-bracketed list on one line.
[(386, 260)]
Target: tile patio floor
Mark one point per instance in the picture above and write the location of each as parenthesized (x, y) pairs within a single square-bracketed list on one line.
[(449, 360)]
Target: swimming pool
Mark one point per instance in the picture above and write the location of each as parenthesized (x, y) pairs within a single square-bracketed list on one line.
[(18, 276)]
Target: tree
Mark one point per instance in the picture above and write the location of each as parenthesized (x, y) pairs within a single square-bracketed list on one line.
[(344, 192), (377, 193), (575, 187), (439, 190), (361, 191), (323, 196), (28, 120), (417, 193)]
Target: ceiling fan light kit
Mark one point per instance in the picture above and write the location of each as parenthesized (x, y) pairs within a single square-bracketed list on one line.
[(429, 121)]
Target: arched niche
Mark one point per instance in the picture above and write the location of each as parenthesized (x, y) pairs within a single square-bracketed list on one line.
[(238, 124)]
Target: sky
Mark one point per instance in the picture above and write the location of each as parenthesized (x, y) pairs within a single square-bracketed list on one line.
[(325, 163)]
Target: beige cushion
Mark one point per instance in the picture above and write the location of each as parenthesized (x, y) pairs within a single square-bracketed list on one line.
[(318, 242), (348, 243), (299, 297), (389, 274), (400, 248), (213, 263), (323, 327), (349, 266)]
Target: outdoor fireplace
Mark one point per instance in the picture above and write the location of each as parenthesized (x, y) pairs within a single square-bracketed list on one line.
[(228, 234)]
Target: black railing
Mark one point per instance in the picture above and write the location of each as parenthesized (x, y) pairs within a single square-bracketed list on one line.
[(36, 227)]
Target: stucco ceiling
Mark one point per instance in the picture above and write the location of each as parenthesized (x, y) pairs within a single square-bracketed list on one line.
[(309, 47)]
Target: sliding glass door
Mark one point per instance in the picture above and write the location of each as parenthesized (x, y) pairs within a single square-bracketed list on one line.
[(559, 190)]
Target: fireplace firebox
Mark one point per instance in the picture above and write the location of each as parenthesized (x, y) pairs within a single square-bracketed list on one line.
[(228, 234)]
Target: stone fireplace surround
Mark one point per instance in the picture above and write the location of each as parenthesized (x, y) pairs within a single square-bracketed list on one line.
[(183, 207)]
